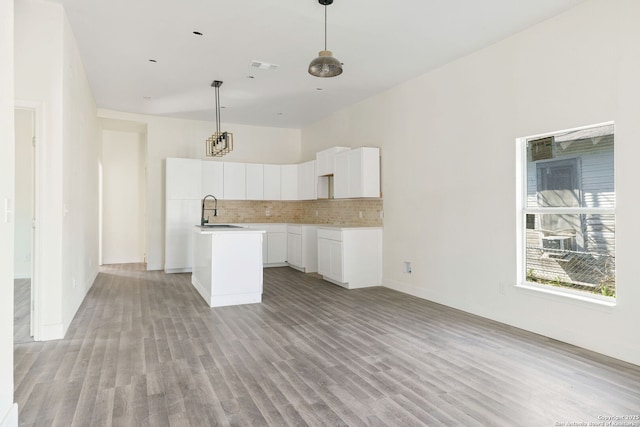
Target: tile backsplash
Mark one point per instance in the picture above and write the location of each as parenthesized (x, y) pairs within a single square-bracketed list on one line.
[(365, 212)]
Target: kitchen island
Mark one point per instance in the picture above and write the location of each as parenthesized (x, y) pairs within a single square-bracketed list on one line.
[(227, 264)]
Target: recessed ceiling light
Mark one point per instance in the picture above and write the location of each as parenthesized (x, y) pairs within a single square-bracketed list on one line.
[(319, 88), (223, 106), (147, 97), (152, 60), (197, 33), (279, 114), (250, 77)]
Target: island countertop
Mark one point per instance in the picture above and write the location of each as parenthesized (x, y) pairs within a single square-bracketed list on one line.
[(224, 228)]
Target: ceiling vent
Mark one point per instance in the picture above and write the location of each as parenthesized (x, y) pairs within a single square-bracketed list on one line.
[(263, 65)]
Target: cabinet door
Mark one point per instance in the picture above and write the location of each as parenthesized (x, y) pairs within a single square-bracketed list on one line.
[(277, 248), (307, 180), (289, 182), (294, 249), (369, 172), (180, 218), (324, 257), (212, 176), (183, 178), (255, 181), (272, 182), (336, 264), (341, 175), (235, 186)]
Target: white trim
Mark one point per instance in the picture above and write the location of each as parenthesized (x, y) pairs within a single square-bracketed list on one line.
[(523, 209), (21, 276), (54, 331), (36, 250), (569, 293), (11, 418)]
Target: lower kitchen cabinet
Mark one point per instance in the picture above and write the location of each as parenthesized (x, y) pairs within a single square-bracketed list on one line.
[(302, 247), (350, 257), (274, 244)]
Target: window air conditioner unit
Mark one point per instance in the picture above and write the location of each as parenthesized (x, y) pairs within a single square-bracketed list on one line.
[(558, 243)]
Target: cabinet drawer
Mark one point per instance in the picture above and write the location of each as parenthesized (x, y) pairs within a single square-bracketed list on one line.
[(324, 233)]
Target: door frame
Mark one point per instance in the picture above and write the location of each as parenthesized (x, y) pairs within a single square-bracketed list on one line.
[(36, 257)]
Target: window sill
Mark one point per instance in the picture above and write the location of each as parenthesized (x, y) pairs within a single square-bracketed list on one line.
[(570, 294)]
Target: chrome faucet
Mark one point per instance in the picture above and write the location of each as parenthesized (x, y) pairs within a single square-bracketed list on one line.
[(203, 220)]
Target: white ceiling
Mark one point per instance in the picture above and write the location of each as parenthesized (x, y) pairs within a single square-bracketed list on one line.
[(381, 43)]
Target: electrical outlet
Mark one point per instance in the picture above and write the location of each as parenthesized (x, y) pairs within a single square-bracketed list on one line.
[(381, 214), (360, 214), (267, 212), (501, 288), (407, 267), (316, 213), (74, 282)]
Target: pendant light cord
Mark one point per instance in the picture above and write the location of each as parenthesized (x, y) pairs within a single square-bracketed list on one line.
[(325, 27), (217, 109)]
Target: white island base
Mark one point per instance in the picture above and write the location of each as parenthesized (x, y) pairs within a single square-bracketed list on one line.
[(227, 266)]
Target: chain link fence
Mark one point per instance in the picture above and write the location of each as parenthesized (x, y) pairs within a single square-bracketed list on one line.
[(589, 271)]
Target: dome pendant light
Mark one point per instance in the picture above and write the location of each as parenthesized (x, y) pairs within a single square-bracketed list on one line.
[(325, 65)]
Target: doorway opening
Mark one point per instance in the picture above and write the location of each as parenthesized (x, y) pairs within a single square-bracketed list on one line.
[(24, 227), (123, 228)]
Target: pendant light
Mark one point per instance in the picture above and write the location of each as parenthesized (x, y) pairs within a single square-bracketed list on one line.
[(325, 65), (220, 143)]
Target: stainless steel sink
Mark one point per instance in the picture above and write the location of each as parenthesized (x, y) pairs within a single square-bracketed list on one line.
[(220, 226)]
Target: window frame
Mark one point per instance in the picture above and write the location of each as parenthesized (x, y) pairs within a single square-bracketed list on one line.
[(523, 209)]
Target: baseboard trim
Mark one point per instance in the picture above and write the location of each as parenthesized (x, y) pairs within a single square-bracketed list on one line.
[(11, 418), (53, 331)]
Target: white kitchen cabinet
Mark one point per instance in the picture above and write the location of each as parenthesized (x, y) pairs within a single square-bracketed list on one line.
[(212, 179), (272, 181), (302, 247), (183, 178), (350, 257), (255, 181), (325, 159), (274, 244), (276, 247), (307, 180), (235, 181), (289, 182), (180, 217), (357, 173)]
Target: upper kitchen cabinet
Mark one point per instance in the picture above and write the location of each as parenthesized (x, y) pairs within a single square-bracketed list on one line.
[(325, 160), (272, 182), (289, 182), (357, 173), (235, 181), (307, 180), (183, 179), (255, 181), (212, 179)]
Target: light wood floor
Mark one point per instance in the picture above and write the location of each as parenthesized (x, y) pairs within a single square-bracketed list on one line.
[(21, 312), (144, 349)]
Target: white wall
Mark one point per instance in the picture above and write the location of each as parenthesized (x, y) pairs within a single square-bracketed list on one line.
[(449, 173), (123, 195), (49, 72), (168, 137), (81, 153), (8, 410), (24, 193)]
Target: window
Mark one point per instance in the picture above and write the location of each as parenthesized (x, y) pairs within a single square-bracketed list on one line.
[(568, 211)]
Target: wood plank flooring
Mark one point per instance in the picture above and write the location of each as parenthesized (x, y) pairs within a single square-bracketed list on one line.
[(21, 311), (145, 350)]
